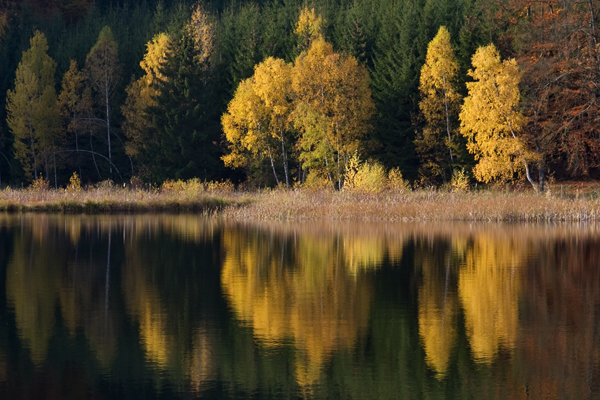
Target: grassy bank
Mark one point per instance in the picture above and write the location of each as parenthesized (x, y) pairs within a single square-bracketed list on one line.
[(421, 205), (111, 200), (574, 203)]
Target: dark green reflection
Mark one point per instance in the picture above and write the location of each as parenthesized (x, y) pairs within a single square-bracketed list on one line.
[(180, 306)]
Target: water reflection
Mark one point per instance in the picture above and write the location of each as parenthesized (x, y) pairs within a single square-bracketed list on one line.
[(182, 307), (306, 288)]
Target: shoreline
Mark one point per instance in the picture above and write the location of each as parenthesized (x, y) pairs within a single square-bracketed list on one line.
[(306, 205)]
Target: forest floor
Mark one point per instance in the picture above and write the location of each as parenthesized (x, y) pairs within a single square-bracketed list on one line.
[(566, 201)]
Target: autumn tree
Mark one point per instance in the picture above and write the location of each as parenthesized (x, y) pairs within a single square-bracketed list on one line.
[(309, 28), (103, 72), (33, 116), (491, 121), (141, 93), (259, 116), (556, 45), (334, 108), (439, 106)]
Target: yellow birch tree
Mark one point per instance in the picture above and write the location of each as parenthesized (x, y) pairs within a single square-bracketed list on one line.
[(334, 108), (491, 121), (259, 116), (439, 105)]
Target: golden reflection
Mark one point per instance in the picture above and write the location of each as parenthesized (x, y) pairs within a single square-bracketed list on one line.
[(31, 292), (143, 303), (163, 340), (489, 288), (299, 288), (438, 309)]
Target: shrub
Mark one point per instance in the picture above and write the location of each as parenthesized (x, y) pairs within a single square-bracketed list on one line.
[(105, 185), (316, 181), (459, 181), (370, 178), (171, 186), (396, 181), (222, 186), (40, 184), (74, 183)]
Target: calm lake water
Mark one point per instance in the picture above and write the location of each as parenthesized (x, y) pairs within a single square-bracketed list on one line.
[(180, 306)]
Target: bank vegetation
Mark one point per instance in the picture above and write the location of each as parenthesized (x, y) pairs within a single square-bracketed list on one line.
[(390, 200)]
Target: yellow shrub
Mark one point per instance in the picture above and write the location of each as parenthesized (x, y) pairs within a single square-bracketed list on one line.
[(222, 186), (370, 178), (316, 181), (40, 184), (460, 180), (171, 186), (396, 181), (74, 183)]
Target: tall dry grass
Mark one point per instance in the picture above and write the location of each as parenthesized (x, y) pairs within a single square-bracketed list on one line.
[(419, 205), (107, 197), (569, 203)]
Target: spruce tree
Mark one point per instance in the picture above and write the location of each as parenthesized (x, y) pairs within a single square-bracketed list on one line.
[(184, 132)]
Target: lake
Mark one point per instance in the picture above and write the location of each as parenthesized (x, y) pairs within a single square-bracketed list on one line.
[(184, 306)]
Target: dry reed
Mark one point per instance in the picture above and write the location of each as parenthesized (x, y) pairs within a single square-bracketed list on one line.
[(420, 205), (305, 205)]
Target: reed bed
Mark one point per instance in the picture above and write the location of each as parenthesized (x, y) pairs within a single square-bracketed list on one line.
[(420, 205), (326, 205), (110, 200)]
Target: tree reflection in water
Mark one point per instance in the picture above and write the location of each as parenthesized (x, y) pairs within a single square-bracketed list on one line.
[(181, 306)]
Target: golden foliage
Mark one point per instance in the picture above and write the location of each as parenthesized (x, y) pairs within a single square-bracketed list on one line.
[(438, 310), (489, 288), (396, 182), (40, 184), (490, 118), (140, 93), (155, 56), (309, 27), (370, 177), (318, 303), (324, 95), (460, 180), (439, 105), (334, 107), (202, 28), (258, 117), (74, 183)]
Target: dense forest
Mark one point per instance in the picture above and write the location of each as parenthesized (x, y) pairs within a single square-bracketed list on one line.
[(272, 92)]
